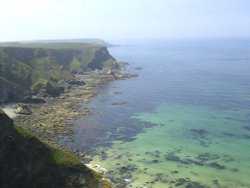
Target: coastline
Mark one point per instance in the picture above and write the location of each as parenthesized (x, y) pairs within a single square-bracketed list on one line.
[(51, 121)]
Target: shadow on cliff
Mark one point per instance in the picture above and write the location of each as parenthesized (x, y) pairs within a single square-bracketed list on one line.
[(27, 162)]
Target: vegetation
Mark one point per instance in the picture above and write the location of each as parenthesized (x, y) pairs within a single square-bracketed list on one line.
[(33, 69), (43, 68), (27, 162)]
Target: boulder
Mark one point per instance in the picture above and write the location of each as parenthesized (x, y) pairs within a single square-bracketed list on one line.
[(77, 82), (110, 72), (23, 109), (53, 89)]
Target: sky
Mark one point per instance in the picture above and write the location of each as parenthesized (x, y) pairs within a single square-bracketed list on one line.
[(123, 19)]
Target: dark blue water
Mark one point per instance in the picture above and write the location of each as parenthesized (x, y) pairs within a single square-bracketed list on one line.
[(193, 91)]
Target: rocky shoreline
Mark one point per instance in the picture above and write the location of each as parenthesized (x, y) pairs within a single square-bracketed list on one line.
[(50, 121)]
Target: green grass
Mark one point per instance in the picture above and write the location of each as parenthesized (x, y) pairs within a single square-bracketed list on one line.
[(32, 65), (59, 156), (56, 156), (45, 69), (21, 71), (23, 132), (59, 45), (109, 63), (75, 64)]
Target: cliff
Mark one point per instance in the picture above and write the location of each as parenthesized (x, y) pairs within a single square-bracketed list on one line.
[(27, 162), (43, 68)]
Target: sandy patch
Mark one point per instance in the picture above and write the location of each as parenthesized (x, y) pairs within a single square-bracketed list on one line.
[(9, 110)]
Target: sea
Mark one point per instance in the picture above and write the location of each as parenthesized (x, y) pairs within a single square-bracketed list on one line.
[(184, 121)]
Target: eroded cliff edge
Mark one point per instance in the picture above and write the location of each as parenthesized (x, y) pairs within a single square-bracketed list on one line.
[(27, 162), (44, 69)]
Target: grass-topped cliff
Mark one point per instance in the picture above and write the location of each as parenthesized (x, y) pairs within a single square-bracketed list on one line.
[(33, 68), (27, 162)]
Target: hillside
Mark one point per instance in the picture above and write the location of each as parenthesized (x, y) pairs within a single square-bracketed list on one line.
[(43, 69), (27, 162), (85, 41)]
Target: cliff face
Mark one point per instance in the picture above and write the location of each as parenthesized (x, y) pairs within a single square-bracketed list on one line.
[(10, 91), (27, 162), (31, 69), (102, 59)]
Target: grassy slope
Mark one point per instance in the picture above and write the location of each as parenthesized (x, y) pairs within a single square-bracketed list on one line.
[(27, 162), (53, 45), (86, 51), (58, 41), (32, 66)]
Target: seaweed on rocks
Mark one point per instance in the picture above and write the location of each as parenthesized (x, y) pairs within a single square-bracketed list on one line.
[(155, 153), (228, 134), (195, 185), (247, 137), (216, 166), (227, 159), (160, 177), (201, 133), (204, 157), (127, 169), (216, 182), (247, 128), (187, 183), (234, 170), (155, 161), (172, 157)]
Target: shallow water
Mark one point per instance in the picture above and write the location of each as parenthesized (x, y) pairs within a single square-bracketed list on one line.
[(195, 143), (183, 122)]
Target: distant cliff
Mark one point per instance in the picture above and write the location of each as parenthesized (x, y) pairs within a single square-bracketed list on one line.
[(35, 68), (27, 162)]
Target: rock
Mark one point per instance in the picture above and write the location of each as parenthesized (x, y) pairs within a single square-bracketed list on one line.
[(77, 82), (247, 137), (117, 92), (118, 103), (122, 63), (155, 161), (103, 170), (207, 157), (172, 157), (199, 132), (138, 68), (33, 99), (127, 180), (110, 72), (53, 89), (216, 165), (247, 128), (23, 109)]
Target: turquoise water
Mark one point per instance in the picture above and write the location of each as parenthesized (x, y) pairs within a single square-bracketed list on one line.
[(183, 122)]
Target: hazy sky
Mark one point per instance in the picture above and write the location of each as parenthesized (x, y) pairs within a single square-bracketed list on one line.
[(118, 19)]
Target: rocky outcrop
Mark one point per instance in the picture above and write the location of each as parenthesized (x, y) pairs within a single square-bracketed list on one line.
[(103, 59), (27, 162), (43, 69), (23, 109)]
